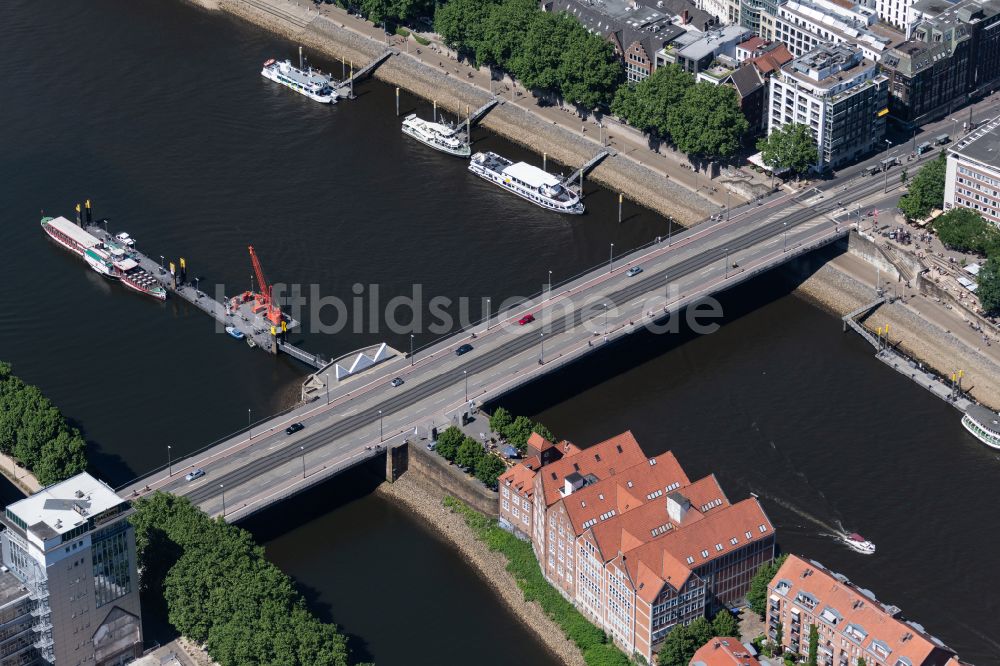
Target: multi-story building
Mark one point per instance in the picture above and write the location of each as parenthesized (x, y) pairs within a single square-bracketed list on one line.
[(805, 24), (17, 633), (972, 179), (73, 550), (695, 52), (724, 651), (851, 623), (839, 94), (952, 55), (630, 540)]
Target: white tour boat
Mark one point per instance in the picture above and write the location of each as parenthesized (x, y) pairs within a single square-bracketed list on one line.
[(528, 182), (984, 425), (308, 82), (435, 135)]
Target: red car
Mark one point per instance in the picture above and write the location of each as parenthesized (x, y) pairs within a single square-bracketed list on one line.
[(526, 319)]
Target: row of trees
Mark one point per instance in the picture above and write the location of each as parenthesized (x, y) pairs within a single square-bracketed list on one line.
[(926, 190), (33, 431), (517, 430), (215, 586), (684, 640), (466, 452), (965, 230), (546, 52), (699, 118)]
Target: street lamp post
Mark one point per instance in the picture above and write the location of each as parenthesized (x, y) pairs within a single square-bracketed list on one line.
[(727, 263), (303, 450), (380, 436), (161, 263), (541, 353), (249, 426), (328, 388), (886, 166), (727, 204), (550, 283), (488, 313), (223, 486), (605, 320), (196, 280), (411, 350), (466, 374), (170, 463), (785, 226), (611, 259)]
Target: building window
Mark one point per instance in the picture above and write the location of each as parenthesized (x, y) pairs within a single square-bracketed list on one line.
[(112, 572)]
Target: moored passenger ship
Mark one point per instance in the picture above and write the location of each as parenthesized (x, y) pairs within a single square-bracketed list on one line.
[(984, 425), (526, 181), (308, 82)]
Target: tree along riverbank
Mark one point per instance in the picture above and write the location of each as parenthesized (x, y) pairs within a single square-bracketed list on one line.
[(34, 433), (322, 33)]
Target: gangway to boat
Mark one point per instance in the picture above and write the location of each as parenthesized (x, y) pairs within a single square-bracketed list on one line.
[(850, 319), (346, 87), (314, 360), (477, 115), (586, 168)]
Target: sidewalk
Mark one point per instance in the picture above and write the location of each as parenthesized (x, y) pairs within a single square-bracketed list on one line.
[(19, 476), (627, 141)]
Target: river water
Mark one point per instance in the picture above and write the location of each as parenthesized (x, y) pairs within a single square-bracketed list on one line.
[(156, 112)]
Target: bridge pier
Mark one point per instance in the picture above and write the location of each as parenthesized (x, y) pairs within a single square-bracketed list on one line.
[(396, 461)]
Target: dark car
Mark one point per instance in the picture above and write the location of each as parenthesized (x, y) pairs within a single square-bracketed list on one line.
[(294, 428), (398, 381), (464, 349)]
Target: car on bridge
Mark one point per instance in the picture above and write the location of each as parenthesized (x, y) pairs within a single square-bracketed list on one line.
[(398, 381), (196, 473), (526, 319), (294, 428), (632, 272), (464, 349)]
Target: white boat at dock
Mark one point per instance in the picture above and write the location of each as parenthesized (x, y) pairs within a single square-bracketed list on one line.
[(858, 543), (436, 135), (309, 82), (235, 332), (526, 181), (983, 424)]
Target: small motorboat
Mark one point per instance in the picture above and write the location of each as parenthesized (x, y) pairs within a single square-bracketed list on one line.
[(860, 544), (235, 332)]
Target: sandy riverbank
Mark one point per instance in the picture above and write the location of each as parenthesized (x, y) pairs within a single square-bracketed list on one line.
[(425, 501), (324, 34)]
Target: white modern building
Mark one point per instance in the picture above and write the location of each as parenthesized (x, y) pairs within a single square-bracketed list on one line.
[(805, 24), (972, 178), (839, 94), (72, 549)]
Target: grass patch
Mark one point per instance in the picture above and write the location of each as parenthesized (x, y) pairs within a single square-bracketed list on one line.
[(421, 40), (523, 566), (402, 32)]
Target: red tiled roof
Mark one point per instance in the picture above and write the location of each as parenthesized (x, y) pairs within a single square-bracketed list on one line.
[(521, 476), (723, 651), (602, 460), (716, 532), (772, 60), (752, 44), (875, 621)]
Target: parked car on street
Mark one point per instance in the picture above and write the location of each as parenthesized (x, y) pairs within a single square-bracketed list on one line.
[(464, 349), (632, 272), (526, 319), (194, 474), (294, 428), (398, 381)]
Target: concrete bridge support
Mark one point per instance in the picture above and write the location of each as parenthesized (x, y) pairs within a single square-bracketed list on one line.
[(397, 459)]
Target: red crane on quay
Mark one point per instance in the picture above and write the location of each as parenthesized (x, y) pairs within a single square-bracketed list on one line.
[(263, 298)]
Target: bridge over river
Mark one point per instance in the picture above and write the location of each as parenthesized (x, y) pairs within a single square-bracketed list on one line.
[(358, 418)]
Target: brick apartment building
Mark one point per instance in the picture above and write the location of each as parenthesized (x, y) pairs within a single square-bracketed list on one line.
[(630, 540), (852, 624)]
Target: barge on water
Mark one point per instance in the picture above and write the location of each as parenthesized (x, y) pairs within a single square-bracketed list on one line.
[(528, 182), (113, 261)]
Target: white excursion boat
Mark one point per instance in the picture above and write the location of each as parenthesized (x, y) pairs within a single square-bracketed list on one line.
[(528, 182), (983, 424), (308, 82), (100, 261), (437, 136), (860, 544)]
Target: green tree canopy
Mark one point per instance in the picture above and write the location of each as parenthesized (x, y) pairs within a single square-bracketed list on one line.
[(926, 191), (590, 71), (469, 452), (503, 31), (683, 641), (724, 624), (757, 595), (646, 105), (518, 432), (488, 468), (462, 24), (448, 442), (499, 420), (813, 645), (539, 63), (708, 122), (218, 588), (965, 230), (989, 284), (791, 146)]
